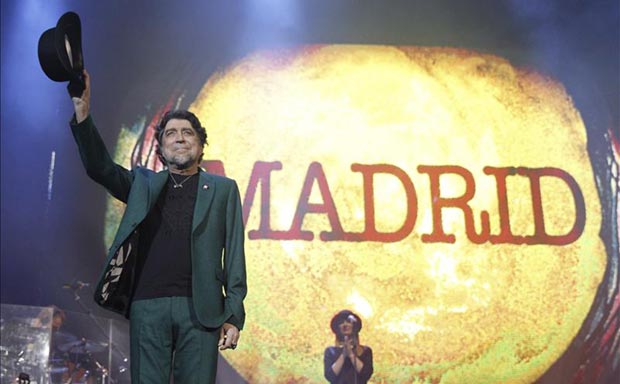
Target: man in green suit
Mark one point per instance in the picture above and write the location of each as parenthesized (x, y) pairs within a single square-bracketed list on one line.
[(176, 267)]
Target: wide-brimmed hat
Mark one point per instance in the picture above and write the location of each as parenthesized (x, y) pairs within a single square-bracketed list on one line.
[(342, 316), (60, 52)]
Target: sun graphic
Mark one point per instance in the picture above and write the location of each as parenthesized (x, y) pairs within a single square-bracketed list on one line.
[(352, 158)]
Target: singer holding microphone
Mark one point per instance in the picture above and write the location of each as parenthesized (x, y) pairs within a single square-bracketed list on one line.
[(348, 361)]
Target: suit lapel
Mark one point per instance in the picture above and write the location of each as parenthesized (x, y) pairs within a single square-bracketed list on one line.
[(204, 197), (142, 197)]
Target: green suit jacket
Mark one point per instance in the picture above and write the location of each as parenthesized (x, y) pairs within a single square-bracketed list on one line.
[(217, 250)]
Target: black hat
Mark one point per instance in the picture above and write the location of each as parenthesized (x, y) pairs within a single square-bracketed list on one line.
[(342, 316), (60, 53)]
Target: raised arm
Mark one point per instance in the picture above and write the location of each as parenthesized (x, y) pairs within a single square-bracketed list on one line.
[(96, 159)]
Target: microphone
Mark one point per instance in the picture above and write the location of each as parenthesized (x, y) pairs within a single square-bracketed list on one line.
[(75, 286), (353, 320)]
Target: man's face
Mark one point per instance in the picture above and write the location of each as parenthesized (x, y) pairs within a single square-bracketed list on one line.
[(180, 144)]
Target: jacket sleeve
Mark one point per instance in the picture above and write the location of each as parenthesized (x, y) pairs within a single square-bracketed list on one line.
[(234, 259), (97, 161), (329, 357), (368, 369)]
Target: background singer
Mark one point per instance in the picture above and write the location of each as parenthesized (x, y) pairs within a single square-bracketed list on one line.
[(347, 362)]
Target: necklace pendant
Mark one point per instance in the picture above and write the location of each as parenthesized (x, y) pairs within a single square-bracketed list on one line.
[(179, 185)]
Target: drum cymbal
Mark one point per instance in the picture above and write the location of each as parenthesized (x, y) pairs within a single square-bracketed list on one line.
[(82, 346), (62, 338)]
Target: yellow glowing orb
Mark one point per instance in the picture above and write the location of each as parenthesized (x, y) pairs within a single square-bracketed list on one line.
[(433, 311)]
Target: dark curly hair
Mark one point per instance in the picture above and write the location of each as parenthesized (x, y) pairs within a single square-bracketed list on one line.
[(180, 114)]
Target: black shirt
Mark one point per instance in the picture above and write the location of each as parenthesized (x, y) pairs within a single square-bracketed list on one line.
[(164, 265)]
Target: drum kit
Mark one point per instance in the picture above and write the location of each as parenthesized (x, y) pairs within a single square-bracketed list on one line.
[(75, 360), (30, 354)]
